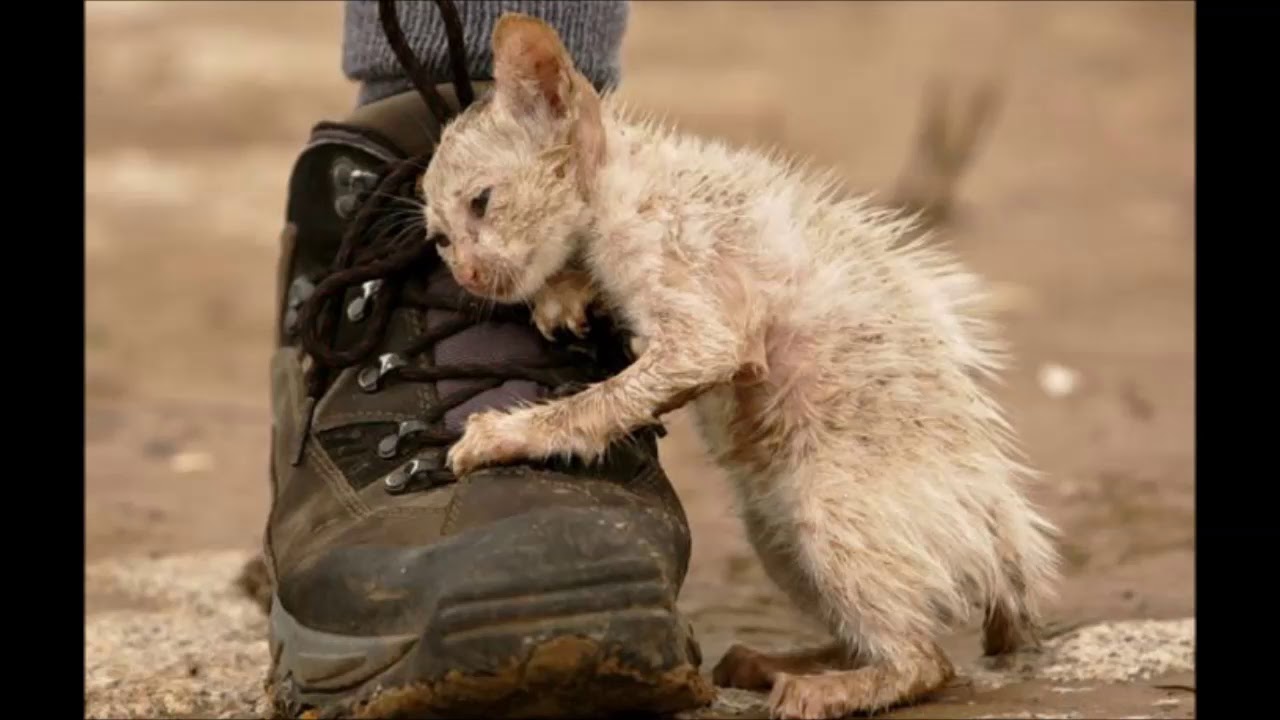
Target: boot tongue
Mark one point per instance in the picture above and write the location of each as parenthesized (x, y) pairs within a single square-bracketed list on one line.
[(513, 343)]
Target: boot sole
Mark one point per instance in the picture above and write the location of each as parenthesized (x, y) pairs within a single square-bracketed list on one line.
[(602, 640)]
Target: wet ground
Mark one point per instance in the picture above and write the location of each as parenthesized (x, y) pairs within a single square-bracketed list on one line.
[(1080, 207)]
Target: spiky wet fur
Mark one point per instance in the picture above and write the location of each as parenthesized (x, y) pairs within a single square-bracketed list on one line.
[(833, 357)]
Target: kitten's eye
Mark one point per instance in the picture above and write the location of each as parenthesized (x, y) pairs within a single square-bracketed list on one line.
[(480, 203), (440, 239)]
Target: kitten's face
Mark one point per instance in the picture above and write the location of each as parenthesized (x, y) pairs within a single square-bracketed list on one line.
[(503, 203), (506, 192)]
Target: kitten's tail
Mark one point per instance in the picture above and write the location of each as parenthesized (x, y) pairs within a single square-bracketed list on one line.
[(956, 117)]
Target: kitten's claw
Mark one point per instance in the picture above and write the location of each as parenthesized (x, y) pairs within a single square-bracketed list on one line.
[(551, 315), (563, 303)]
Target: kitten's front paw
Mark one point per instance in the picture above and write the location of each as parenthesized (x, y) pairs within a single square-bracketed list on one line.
[(490, 438), (563, 303)]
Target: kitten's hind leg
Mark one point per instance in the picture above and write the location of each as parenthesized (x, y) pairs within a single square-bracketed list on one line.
[(907, 679), (879, 581), (742, 667)]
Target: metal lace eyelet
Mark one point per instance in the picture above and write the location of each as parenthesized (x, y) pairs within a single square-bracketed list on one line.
[(343, 168), (390, 445), (300, 290), (371, 376), (363, 180), (349, 180), (345, 205), (398, 480), (291, 318), (358, 308)]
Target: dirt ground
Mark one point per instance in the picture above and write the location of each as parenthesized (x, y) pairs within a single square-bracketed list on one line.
[(1080, 207)]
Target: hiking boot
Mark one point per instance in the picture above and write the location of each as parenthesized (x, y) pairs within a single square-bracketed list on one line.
[(535, 589)]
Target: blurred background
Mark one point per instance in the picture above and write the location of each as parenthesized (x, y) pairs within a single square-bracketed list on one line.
[(1079, 206)]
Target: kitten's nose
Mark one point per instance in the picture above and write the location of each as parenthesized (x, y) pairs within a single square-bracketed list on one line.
[(466, 275)]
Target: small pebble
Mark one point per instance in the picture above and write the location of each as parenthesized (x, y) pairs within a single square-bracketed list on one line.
[(1058, 381), (191, 462)]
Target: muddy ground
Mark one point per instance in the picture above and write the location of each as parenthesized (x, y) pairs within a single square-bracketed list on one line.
[(1080, 206)]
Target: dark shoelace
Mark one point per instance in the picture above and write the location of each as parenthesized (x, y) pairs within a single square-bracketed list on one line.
[(393, 265), (390, 264)]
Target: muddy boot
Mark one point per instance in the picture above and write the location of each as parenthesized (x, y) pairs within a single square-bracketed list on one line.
[(545, 589)]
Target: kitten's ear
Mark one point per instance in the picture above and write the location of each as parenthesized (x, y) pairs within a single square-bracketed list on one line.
[(534, 77), (532, 71)]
